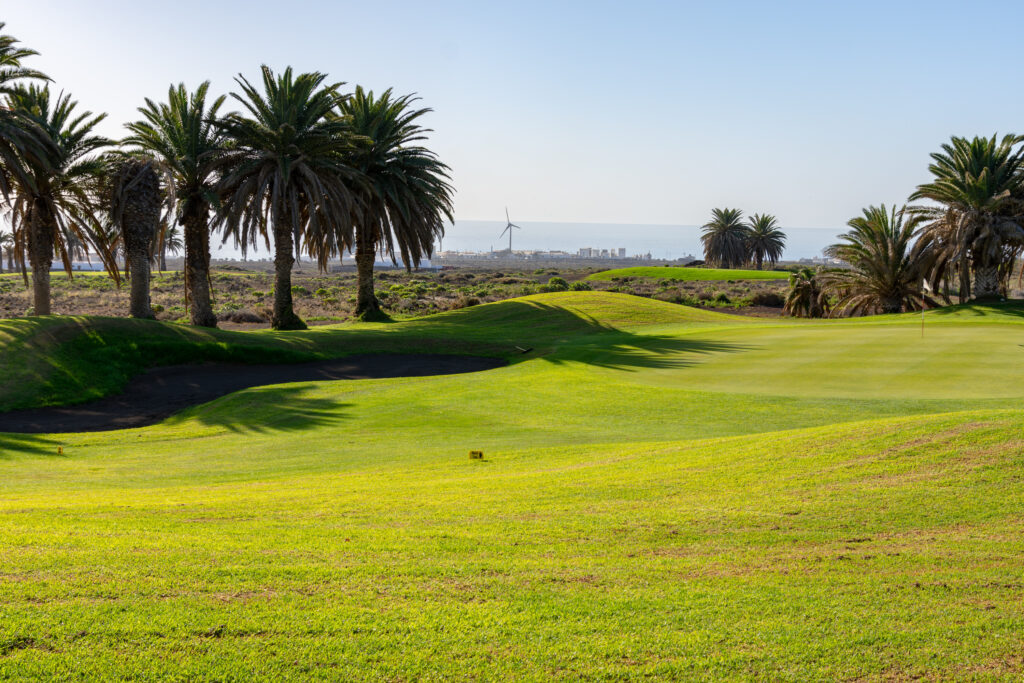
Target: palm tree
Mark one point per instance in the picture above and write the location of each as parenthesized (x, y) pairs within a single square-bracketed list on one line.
[(285, 172), (979, 226), (725, 239), (805, 298), (135, 199), (56, 200), (765, 241), (22, 142), (404, 194), (6, 246), (182, 133), (885, 273)]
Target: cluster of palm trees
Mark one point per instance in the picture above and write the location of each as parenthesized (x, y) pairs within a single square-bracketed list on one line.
[(302, 168), (730, 241), (967, 238)]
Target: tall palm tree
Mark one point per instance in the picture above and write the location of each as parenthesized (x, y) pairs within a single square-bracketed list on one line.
[(885, 273), (182, 133), (22, 141), (135, 200), (978, 226), (404, 194), (725, 239), (806, 298), (57, 199), (285, 173), (765, 241)]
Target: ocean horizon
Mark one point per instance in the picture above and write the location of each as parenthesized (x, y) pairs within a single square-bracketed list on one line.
[(661, 241)]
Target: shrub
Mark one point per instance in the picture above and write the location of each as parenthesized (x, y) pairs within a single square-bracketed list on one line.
[(580, 286), (244, 316), (771, 299), (299, 290), (721, 298), (557, 284)]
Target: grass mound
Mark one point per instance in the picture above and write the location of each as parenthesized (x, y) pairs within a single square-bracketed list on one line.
[(689, 274), (65, 360)]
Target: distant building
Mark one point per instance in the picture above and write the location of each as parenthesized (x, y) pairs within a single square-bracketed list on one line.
[(622, 252)]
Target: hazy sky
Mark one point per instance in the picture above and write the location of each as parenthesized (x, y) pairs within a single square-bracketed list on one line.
[(626, 112)]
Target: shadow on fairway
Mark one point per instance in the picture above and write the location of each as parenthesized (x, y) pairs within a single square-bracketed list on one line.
[(631, 352), (27, 444), (581, 338), (1014, 307), (265, 410)]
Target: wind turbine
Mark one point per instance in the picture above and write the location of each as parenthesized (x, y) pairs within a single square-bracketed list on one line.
[(508, 229)]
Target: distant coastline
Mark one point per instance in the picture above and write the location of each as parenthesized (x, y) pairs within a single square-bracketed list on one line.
[(661, 241)]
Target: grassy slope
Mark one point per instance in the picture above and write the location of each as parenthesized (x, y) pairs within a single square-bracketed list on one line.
[(337, 530), (689, 274), (61, 360), (882, 549)]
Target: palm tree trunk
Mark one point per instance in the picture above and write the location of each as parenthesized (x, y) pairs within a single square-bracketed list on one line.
[(892, 304), (758, 259), (986, 281), (40, 256), (366, 301), (284, 317), (140, 220), (163, 258), (138, 258), (197, 267)]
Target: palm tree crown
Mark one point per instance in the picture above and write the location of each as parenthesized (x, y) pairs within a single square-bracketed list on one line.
[(404, 193), (56, 202), (725, 239), (183, 135), (885, 274), (286, 171), (765, 241), (22, 142), (979, 223)]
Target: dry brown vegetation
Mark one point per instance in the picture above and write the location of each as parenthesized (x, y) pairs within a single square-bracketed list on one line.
[(244, 297)]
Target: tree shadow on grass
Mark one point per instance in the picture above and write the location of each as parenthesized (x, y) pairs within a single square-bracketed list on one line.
[(632, 352), (267, 409), (12, 445), (980, 309), (585, 339)]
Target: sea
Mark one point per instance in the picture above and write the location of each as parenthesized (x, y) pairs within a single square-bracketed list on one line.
[(660, 241)]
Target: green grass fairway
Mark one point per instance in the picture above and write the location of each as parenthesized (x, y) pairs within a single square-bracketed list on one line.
[(666, 493), (689, 274)]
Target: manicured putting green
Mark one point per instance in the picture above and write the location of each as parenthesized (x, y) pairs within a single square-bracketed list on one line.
[(689, 274)]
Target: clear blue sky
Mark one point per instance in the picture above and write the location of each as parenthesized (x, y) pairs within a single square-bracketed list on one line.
[(625, 112)]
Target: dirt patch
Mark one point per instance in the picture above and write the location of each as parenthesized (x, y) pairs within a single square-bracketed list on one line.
[(161, 392)]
